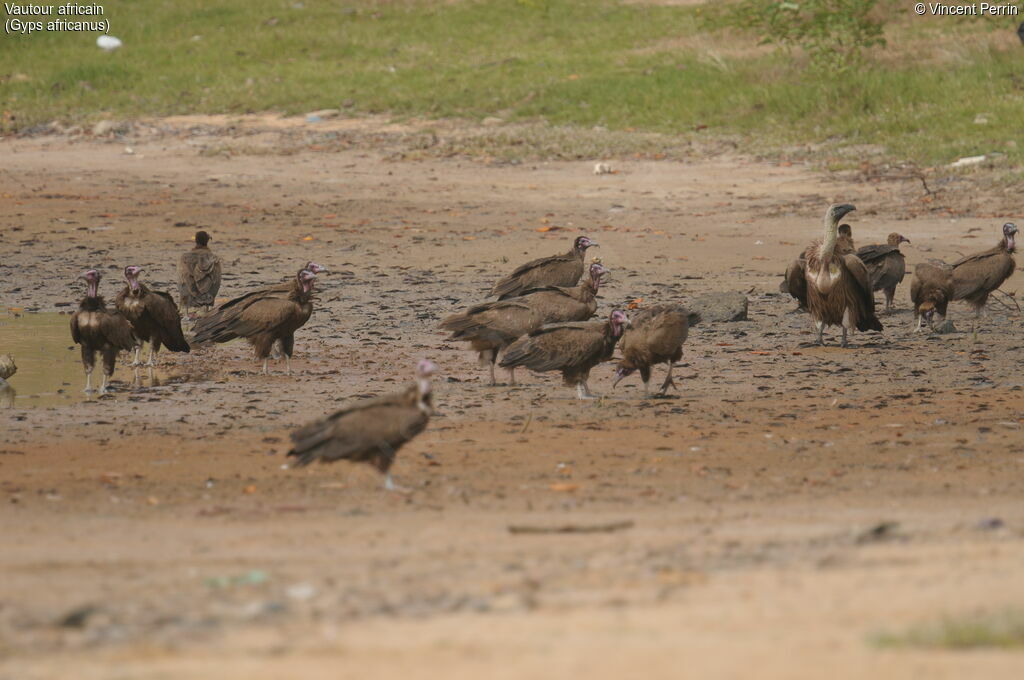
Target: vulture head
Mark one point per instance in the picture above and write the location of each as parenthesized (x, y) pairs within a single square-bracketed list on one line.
[(597, 270), (315, 268), (619, 321), (581, 244), (202, 238), (424, 369), (928, 313), (305, 279), (896, 239), (838, 211), (92, 281), (1009, 229), (131, 275), (845, 230), (624, 369)]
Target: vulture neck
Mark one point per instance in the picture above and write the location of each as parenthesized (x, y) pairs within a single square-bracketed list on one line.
[(828, 246), (423, 395)]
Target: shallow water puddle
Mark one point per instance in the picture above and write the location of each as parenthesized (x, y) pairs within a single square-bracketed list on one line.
[(49, 364)]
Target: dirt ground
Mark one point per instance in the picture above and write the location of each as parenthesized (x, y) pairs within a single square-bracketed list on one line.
[(790, 503)]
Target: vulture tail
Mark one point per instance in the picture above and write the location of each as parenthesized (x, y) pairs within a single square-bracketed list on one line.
[(175, 340), (869, 324), (304, 457), (693, 318)]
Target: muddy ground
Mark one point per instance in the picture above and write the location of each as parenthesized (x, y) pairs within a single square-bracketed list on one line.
[(790, 503)]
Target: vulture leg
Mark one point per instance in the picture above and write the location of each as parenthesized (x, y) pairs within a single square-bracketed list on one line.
[(287, 347), (138, 352), (88, 362), (582, 391), (265, 366), (103, 385), (918, 329), (152, 353), (890, 293), (109, 357), (88, 380), (669, 382), (389, 485), (511, 376), (821, 330), (489, 356), (844, 342)]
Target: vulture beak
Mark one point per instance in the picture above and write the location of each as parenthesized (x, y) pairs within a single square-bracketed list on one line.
[(620, 373), (904, 239)]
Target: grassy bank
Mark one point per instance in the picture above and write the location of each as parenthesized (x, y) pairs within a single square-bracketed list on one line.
[(941, 89)]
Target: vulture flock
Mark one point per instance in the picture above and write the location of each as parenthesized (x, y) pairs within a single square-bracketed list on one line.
[(541, 318)]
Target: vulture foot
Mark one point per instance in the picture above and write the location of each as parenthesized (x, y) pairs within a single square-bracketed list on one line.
[(669, 382)]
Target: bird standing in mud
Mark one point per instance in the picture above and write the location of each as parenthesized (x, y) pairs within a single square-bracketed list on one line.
[(153, 315), (372, 430), (558, 270), (976, 276), (838, 286), (199, 273), (886, 265), (98, 329), (655, 335), (931, 289), (572, 348), (264, 318), (492, 326)]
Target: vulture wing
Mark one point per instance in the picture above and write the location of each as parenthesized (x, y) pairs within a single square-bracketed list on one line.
[(931, 275), (795, 282), (556, 270), (861, 293), (76, 332), (117, 331), (563, 346), (199, 274), (500, 321), (875, 252), (163, 315), (982, 273)]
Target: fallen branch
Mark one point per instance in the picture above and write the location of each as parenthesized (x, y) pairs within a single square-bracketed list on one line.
[(1011, 298), (572, 528)]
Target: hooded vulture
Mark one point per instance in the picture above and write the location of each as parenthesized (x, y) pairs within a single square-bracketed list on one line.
[(98, 329), (572, 348), (557, 270), (153, 315), (886, 265), (655, 336), (492, 326), (795, 278), (198, 275), (371, 431), (838, 286), (263, 319), (976, 276), (931, 289)]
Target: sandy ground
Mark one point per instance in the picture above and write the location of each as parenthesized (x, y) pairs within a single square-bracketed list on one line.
[(153, 533)]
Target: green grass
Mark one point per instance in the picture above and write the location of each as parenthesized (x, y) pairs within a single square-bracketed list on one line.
[(564, 62), (1004, 630)]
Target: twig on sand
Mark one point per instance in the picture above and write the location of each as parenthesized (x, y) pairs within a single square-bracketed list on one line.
[(572, 528)]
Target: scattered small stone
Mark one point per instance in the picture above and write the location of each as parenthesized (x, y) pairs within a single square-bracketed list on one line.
[(602, 169), (721, 307)]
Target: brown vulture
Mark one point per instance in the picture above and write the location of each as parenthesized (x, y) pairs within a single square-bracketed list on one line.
[(557, 270), (838, 286), (263, 319), (795, 280), (98, 329), (886, 265), (492, 326), (153, 315), (655, 335), (572, 348), (372, 430), (976, 276), (198, 275), (931, 289)]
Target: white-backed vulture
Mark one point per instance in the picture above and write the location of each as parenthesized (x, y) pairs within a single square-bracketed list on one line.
[(655, 335), (153, 315), (886, 265), (199, 273), (492, 326), (263, 320), (794, 280), (98, 329), (931, 289), (558, 270), (838, 286), (372, 430), (572, 348)]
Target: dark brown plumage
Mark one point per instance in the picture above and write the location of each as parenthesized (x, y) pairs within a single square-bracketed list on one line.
[(372, 430), (493, 326), (263, 319), (655, 336), (98, 329), (795, 279), (572, 348), (153, 315), (838, 286), (976, 276), (198, 275), (557, 270), (931, 289), (886, 265)]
